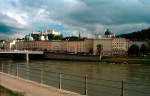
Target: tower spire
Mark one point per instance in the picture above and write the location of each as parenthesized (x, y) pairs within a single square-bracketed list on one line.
[(79, 35)]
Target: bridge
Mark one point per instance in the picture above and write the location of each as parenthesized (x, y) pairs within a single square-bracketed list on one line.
[(21, 54)]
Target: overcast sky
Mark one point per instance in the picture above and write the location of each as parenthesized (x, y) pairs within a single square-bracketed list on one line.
[(20, 17)]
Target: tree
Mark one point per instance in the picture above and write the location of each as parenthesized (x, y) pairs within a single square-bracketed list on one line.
[(139, 35), (99, 50), (144, 50), (50, 36), (35, 37), (133, 50), (91, 51), (149, 47), (72, 38)]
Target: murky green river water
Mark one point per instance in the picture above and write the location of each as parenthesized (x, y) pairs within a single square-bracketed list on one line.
[(102, 79)]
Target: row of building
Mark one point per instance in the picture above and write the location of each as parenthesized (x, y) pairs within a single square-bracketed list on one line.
[(110, 45)]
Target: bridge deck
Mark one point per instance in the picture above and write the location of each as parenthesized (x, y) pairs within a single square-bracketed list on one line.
[(31, 88), (20, 52)]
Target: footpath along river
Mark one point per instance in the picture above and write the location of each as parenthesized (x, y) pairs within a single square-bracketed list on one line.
[(102, 79)]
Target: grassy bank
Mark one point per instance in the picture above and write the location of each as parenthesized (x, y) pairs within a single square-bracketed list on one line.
[(127, 60), (6, 92)]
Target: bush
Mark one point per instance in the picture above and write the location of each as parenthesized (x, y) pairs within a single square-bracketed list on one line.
[(133, 50)]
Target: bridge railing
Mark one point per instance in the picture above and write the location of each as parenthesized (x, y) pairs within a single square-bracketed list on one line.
[(21, 51), (85, 85)]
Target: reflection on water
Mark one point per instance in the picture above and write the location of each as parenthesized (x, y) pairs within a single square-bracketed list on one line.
[(133, 75)]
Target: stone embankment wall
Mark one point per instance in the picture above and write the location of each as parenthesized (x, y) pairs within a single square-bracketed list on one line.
[(72, 57)]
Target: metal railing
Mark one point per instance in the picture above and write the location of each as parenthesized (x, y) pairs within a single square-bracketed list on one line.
[(84, 85), (21, 51)]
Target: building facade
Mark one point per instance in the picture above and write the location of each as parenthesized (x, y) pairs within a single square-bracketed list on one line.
[(110, 46), (33, 45), (120, 46), (9, 45), (56, 46), (2, 42), (106, 44), (73, 47)]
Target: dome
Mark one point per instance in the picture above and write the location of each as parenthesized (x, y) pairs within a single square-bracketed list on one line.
[(29, 37), (26, 37), (97, 36), (46, 38), (108, 32), (42, 38)]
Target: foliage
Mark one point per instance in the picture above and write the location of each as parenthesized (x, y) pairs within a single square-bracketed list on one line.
[(91, 51), (99, 49), (7, 92), (55, 37), (144, 50), (138, 36), (35, 37), (133, 50), (72, 38), (149, 46)]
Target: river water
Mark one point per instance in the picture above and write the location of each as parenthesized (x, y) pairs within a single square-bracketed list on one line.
[(102, 79)]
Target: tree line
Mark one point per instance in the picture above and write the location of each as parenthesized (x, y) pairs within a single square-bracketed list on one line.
[(137, 36), (57, 37), (135, 50)]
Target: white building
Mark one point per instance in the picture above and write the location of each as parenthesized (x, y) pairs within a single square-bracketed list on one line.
[(10, 45), (2, 44), (46, 32)]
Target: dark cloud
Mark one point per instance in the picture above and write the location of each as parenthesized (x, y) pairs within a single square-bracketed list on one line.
[(88, 16), (6, 29), (108, 12)]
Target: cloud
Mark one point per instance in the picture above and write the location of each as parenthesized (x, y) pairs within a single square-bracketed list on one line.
[(6, 28), (20, 18), (73, 16)]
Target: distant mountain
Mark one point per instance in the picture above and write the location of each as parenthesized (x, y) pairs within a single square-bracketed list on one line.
[(138, 36)]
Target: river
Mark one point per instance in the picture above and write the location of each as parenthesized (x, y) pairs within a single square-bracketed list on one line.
[(102, 79)]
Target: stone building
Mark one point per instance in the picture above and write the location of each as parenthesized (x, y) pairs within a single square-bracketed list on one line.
[(33, 45), (110, 44), (120, 46), (9, 45), (106, 44)]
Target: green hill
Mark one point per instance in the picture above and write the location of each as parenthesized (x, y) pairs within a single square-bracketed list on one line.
[(138, 36)]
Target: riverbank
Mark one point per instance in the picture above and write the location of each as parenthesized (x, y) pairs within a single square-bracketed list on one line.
[(31, 88), (80, 57), (71, 57), (127, 60), (96, 58)]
